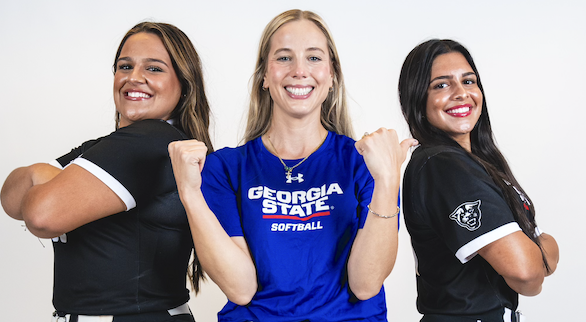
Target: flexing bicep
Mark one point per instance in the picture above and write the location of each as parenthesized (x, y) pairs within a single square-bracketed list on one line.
[(518, 260), (71, 199)]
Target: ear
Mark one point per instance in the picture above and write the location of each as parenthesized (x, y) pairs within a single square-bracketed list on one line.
[(331, 81), (264, 82)]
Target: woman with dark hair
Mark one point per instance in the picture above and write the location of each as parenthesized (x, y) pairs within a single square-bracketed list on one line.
[(472, 226), (293, 227), (120, 233)]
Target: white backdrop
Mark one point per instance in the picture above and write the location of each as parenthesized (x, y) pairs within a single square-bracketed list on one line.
[(56, 92)]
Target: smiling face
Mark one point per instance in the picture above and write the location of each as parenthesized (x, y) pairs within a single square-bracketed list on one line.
[(145, 83), (454, 100), (299, 73)]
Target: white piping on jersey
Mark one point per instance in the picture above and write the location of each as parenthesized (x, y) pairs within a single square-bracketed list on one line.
[(108, 180), (56, 164), (468, 251)]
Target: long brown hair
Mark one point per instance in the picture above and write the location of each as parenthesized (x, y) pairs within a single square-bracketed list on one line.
[(334, 112), (192, 113), (413, 84)]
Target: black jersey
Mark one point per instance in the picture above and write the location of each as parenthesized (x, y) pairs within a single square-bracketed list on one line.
[(134, 261), (452, 209)]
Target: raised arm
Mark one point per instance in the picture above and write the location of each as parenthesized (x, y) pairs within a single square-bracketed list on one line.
[(519, 261), (374, 250), (225, 259), (53, 202)]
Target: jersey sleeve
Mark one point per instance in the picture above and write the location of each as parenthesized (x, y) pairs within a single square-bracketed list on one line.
[(462, 204), (64, 160), (220, 193), (133, 161)]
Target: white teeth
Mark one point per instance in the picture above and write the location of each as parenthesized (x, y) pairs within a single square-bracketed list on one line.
[(299, 90), (138, 95), (459, 110)]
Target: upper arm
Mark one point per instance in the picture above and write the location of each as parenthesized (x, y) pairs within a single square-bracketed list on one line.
[(106, 176), (242, 244), (71, 199), (518, 259), (459, 201)]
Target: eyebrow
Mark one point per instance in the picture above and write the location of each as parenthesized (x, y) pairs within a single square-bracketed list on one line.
[(450, 77), (289, 50), (150, 60)]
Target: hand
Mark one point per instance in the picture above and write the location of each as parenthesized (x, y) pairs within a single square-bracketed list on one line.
[(188, 158), (383, 154)]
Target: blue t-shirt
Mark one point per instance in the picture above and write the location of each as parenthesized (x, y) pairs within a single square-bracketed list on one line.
[(299, 230)]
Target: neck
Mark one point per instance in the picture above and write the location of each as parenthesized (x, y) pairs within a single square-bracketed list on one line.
[(465, 143), (294, 142)]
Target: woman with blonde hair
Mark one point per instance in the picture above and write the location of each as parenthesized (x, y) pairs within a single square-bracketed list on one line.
[(292, 225), (120, 234)]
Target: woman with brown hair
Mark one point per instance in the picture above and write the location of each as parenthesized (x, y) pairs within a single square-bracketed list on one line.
[(121, 238), (472, 225)]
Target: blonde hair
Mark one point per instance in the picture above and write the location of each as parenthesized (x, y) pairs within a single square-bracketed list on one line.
[(192, 113), (334, 112)]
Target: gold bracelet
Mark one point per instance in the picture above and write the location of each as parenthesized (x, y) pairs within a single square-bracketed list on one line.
[(386, 217)]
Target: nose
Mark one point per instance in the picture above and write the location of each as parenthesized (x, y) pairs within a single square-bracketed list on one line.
[(460, 92), (300, 69), (137, 76)]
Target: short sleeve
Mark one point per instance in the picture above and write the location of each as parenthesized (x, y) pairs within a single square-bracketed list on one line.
[(134, 161), (64, 160), (220, 194), (457, 198)]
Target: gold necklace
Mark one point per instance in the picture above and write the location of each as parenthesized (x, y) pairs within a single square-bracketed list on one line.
[(289, 170)]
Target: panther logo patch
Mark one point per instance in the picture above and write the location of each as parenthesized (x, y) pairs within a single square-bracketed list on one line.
[(468, 215)]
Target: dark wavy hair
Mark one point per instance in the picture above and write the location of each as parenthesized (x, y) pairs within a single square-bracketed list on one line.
[(192, 113), (413, 85)]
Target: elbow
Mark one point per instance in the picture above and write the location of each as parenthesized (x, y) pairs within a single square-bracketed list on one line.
[(10, 209), (241, 293), (40, 228), (528, 289), (364, 292), (38, 215), (527, 282), (241, 298)]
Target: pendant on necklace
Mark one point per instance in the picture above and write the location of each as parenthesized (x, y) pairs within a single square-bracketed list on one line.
[(290, 178)]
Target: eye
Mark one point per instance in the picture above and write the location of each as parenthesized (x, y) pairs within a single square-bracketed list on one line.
[(124, 67), (284, 58), (314, 59), (469, 82), (440, 85), (154, 69)]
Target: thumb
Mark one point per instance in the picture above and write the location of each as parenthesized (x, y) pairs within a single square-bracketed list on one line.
[(201, 163), (408, 143)]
